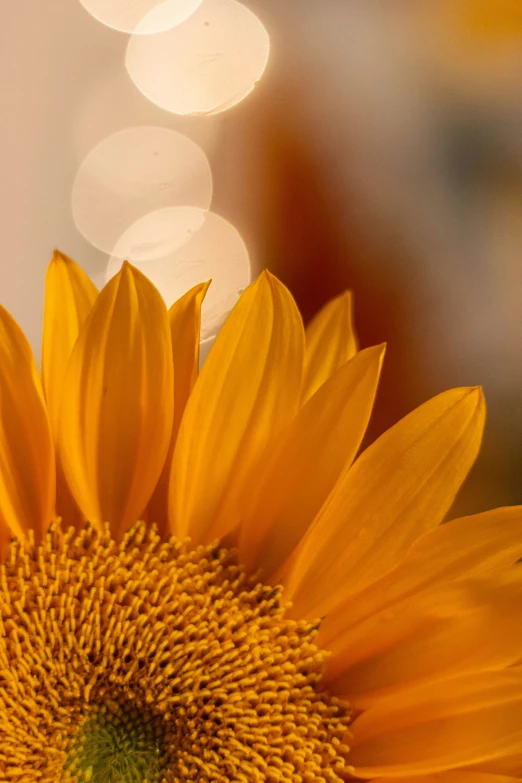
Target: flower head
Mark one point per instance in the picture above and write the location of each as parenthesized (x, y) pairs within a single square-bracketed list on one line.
[(283, 611)]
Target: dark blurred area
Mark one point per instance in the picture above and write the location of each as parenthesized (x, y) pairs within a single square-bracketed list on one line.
[(382, 152)]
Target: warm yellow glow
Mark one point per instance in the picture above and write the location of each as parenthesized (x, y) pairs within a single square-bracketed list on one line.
[(141, 16), (486, 21), (205, 65), (475, 46), (133, 173), (215, 252)]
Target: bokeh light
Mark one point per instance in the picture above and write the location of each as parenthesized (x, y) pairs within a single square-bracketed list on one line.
[(205, 65), (133, 173), (141, 16), (159, 234), (214, 252)]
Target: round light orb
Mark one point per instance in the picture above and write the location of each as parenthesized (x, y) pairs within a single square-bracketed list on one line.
[(215, 251), (141, 16), (205, 65), (159, 234), (133, 173), (111, 102)]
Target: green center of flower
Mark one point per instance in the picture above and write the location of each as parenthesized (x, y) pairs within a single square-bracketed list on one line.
[(117, 746)]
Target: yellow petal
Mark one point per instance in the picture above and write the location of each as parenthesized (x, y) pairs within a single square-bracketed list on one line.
[(472, 720), (5, 538), (27, 462), (435, 635), (507, 765), (247, 391), (463, 547), (455, 776), (185, 326), (330, 342), (400, 487), (320, 445), (185, 329), (117, 406), (69, 298)]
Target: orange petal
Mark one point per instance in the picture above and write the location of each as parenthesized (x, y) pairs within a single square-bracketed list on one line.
[(468, 721), (117, 404), (27, 462), (247, 391), (185, 330), (463, 547), (330, 342), (185, 325), (435, 635), (455, 776), (508, 765), (400, 487), (295, 483), (69, 298), (5, 538)]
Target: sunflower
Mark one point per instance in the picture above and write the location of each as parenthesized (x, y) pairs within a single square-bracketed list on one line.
[(201, 583)]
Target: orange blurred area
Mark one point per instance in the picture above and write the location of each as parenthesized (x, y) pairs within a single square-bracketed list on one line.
[(474, 46), (480, 21)]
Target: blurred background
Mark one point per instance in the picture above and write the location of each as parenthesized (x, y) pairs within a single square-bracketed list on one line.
[(381, 151)]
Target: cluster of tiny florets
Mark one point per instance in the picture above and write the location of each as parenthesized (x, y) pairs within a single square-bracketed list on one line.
[(171, 653)]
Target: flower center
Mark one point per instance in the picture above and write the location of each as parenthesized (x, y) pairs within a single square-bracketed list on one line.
[(117, 746), (144, 660)]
